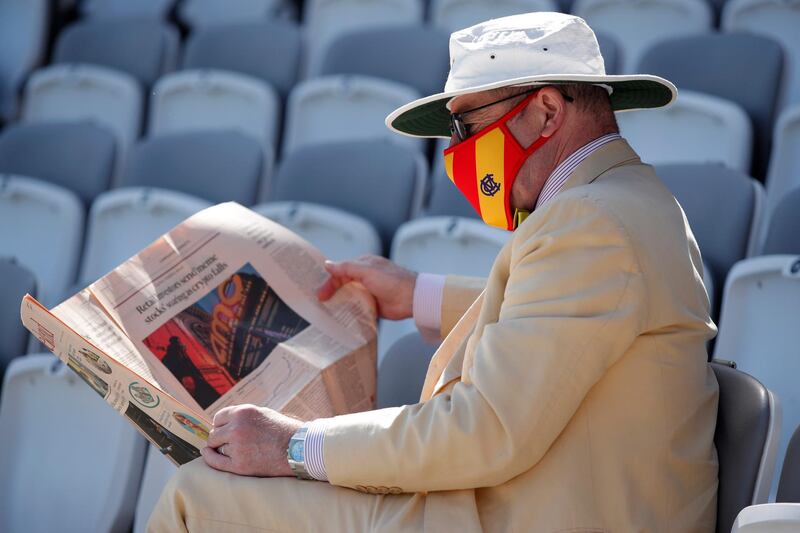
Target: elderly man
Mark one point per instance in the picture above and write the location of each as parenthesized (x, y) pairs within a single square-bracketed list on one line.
[(571, 392)]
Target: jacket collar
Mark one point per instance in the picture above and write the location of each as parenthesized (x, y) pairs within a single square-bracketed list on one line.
[(611, 155)]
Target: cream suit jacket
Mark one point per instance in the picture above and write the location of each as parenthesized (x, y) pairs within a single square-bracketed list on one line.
[(580, 398)]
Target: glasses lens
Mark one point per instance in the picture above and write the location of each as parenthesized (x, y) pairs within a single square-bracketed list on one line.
[(457, 127)]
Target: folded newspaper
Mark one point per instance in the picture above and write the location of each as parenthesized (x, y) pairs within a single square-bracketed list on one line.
[(220, 311)]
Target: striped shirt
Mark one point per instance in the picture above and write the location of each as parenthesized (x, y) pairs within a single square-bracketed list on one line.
[(429, 289)]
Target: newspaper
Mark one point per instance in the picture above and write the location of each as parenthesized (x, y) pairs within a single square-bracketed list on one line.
[(220, 311)]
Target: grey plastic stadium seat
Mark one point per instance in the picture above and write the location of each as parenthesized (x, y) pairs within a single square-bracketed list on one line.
[(144, 48), (723, 208), (377, 180), (783, 234), (789, 485), (216, 165), (15, 281), (126, 8), (748, 425), (446, 199), (204, 13), (401, 373), (77, 156), (714, 64), (609, 49), (415, 56), (269, 51)]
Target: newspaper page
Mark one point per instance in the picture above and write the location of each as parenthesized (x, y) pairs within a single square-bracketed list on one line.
[(220, 311)]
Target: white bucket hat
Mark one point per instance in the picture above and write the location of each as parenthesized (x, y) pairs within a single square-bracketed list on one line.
[(521, 50)]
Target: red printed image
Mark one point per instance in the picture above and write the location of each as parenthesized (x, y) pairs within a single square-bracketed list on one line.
[(211, 345)]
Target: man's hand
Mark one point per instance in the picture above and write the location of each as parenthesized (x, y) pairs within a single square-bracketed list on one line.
[(253, 439), (392, 286)]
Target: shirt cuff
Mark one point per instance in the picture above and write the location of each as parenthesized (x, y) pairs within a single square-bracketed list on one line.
[(427, 305), (315, 438)]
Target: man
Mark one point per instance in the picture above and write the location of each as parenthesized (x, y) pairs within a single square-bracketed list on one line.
[(573, 394)]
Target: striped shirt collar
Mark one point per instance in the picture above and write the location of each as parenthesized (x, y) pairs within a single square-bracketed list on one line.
[(564, 169)]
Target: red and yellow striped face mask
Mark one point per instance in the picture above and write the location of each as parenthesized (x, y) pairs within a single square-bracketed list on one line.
[(484, 168)]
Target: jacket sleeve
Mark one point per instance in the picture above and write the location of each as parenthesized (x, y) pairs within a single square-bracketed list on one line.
[(459, 293), (573, 304)]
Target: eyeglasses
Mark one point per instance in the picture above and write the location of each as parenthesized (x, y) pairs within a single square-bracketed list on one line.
[(459, 128)]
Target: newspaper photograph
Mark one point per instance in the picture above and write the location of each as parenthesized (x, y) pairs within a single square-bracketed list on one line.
[(220, 311)]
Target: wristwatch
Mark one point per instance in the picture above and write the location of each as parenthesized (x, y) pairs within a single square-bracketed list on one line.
[(296, 453)]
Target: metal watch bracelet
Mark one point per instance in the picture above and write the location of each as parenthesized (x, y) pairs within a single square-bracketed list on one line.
[(295, 453)]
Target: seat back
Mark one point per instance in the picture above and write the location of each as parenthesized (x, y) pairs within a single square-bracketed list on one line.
[(639, 25), (784, 163), (401, 373), (196, 100), (783, 236), (748, 425), (15, 282), (344, 108), (789, 484), (445, 198), (415, 56), (685, 61), (245, 47), (696, 128), (157, 471), (145, 48), (98, 9), (610, 50), (215, 165), (204, 13), (23, 38), (77, 156), (380, 181), (454, 15)]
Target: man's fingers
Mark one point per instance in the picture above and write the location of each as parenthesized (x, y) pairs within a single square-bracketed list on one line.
[(216, 460), (218, 436), (329, 288), (223, 416)]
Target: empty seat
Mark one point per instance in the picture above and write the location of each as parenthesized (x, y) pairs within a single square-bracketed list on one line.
[(784, 163), (401, 373), (70, 462), (194, 100), (215, 165), (203, 13), (639, 25), (157, 471), (126, 8), (15, 282), (724, 210), (686, 62), (789, 482), (268, 50), (748, 428), (77, 156), (380, 181), (340, 108), (696, 128), (144, 48), (758, 328), (138, 215), (416, 56), (338, 234), (783, 233), (43, 231), (777, 20), (453, 15), (325, 20), (609, 49), (107, 97), (23, 37), (445, 198)]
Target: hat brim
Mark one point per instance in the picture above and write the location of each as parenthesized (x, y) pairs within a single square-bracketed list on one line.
[(430, 117)]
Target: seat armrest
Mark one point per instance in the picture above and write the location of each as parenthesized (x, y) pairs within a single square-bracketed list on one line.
[(768, 518)]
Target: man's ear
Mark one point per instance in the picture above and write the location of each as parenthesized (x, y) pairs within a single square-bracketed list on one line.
[(552, 103)]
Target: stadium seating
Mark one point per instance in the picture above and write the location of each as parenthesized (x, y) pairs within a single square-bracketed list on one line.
[(144, 48), (77, 156), (325, 20), (380, 181), (783, 233), (215, 165), (446, 199), (126, 8), (697, 128), (43, 232), (197, 100), (789, 483), (23, 30), (639, 25), (342, 108), (157, 471), (748, 427), (776, 19), (402, 371), (204, 13), (141, 215), (453, 15), (339, 235), (758, 328), (77, 93), (69, 461), (610, 50), (268, 50), (15, 282), (414, 56), (686, 62), (784, 164)]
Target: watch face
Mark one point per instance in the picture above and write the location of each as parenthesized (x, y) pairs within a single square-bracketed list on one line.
[(297, 450)]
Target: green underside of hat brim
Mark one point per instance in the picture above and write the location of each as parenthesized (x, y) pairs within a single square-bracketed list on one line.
[(432, 119)]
